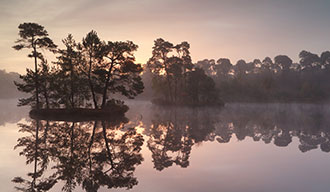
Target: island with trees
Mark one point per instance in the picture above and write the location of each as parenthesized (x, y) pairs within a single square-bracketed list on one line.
[(83, 76), (94, 76)]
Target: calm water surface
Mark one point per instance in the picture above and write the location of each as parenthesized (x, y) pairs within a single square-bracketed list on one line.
[(242, 147)]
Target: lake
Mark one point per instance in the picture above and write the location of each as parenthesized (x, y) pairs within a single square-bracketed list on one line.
[(241, 147)]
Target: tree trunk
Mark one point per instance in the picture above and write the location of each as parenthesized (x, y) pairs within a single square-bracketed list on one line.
[(104, 98), (107, 145), (72, 92), (72, 139), (90, 145), (36, 73), (91, 83), (35, 157), (46, 98)]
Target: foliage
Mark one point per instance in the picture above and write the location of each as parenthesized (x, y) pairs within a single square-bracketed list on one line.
[(280, 80), (176, 80), (85, 73), (34, 36)]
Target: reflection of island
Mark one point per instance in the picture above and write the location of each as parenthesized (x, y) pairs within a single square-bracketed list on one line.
[(174, 131), (90, 154)]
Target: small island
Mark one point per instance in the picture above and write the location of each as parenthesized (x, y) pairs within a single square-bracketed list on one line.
[(79, 82)]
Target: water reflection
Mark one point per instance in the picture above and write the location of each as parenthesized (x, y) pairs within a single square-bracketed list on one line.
[(90, 154), (173, 131), (276, 123), (10, 113), (95, 154)]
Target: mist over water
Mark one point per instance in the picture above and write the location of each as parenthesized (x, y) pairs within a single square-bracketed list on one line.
[(184, 149)]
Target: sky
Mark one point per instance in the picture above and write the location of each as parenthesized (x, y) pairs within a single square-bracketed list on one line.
[(234, 29)]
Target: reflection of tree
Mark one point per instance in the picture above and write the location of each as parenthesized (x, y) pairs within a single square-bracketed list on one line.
[(36, 153), (91, 154), (173, 133), (278, 123)]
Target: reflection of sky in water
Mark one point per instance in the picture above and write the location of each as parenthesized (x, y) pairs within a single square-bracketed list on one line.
[(237, 165)]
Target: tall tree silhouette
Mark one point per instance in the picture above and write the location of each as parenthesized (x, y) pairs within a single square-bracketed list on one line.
[(34, 36), (159, 64), (118, 70), (92, 48)]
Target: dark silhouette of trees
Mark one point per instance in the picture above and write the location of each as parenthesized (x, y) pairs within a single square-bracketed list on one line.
[(223, 67), (88, 70), (173, 70), (34, 36), (71, 85), (91, 49), (278, 80), (119, 71), (200, 89), (110, 67), (46, 86), (160, 63)]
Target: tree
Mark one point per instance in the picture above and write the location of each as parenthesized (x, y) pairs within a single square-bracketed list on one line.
[(158, 63), (72, 90), (325, 59), (46, 86), (110, 67), (201, 89), (283, 61), (169, 64), (207, 65), (118, 72), (309, 60), (34, 36), (223, 67), (92, 49), (241, 68)]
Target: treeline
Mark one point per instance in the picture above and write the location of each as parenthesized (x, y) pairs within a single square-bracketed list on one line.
[(277, 80), (92, 72), (175, 79), (84, 74)]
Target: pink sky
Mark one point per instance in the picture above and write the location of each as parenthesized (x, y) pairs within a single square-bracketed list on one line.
[(235, 29)]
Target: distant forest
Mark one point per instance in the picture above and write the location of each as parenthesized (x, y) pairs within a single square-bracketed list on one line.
[(7, 87), (278, 80)]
